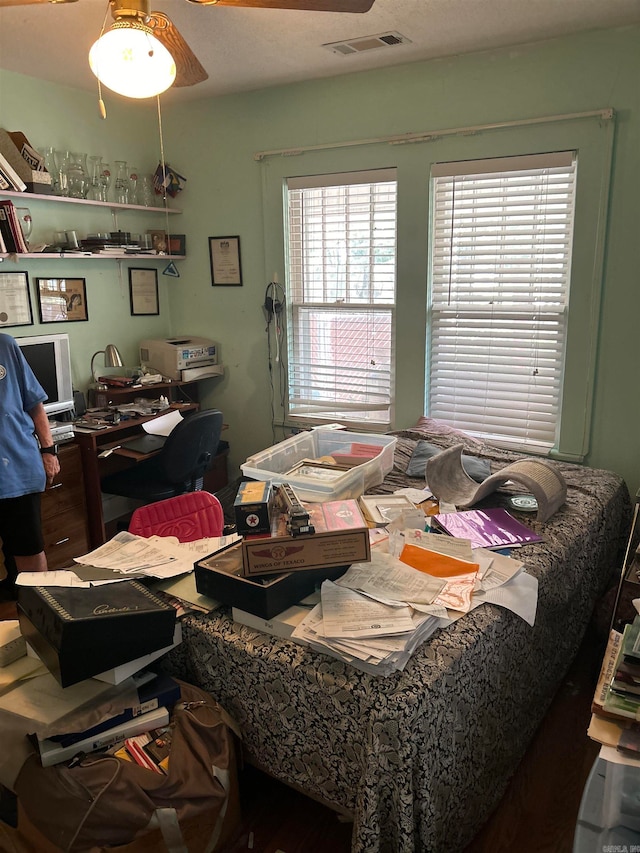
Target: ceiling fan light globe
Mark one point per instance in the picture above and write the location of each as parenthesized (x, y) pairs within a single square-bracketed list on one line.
[(129, 60)]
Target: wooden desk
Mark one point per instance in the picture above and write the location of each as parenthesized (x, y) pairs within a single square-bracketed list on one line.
[(94, 442)]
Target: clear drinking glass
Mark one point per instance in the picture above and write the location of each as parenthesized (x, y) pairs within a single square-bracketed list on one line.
[(26, 222)]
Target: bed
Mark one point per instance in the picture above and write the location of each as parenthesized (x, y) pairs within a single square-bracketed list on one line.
[(420, 758)]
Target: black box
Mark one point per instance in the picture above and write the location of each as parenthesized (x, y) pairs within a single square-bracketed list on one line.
[(79, 633), (252, 507), (219, 576)]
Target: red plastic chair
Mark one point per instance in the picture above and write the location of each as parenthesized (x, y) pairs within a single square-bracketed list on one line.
[(194, 515)]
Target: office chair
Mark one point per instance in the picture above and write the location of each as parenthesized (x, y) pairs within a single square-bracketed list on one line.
[(179, 467), (194, 515)]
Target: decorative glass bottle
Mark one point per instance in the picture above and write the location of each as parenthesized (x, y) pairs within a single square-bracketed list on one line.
[(133, 185), (121, 183), (95, 170)]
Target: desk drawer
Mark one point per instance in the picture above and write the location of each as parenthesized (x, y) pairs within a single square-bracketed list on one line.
[(67, 490), (65, 538)]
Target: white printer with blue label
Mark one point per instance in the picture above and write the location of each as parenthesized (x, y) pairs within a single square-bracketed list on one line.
[(184, 359)]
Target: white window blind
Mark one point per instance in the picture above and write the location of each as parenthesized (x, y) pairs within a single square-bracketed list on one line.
[(341, 280), (500, 268)]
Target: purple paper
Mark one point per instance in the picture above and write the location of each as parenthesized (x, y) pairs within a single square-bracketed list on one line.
[(487, 528)]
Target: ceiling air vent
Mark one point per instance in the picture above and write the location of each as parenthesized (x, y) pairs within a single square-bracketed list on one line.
[(366, 43)]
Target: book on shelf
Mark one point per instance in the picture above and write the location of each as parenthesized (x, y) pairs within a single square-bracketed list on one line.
[(9, 178), (487, 528), (607, 669), (52, 752), (10, 227), (158, 691)]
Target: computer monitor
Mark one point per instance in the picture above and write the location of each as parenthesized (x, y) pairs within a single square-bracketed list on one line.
[(49, 357)]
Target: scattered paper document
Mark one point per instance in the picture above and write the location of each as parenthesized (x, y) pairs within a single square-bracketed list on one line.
[(520, 595), (388, 580), (59, 577), (163, 424), (346, 613)]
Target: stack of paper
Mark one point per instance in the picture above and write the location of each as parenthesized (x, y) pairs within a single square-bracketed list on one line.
[(378, 613)]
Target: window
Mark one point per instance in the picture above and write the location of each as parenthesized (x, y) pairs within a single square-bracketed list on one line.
[(341, 284), (501, 240)]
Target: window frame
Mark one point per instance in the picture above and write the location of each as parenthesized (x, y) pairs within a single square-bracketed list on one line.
[(472, 282), (300, 303), (592, 136)]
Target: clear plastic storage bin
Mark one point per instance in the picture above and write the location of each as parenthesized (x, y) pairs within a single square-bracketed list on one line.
[(274, 463)]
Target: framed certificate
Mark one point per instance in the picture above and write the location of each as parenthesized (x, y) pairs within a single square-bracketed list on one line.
[(15, 304), (143, 291), (224, 253)]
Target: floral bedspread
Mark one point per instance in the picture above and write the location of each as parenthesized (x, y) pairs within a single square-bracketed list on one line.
[(421, 758)]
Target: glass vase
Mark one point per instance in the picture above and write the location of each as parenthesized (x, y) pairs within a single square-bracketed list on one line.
[(78, 176), (62, 171), (52, 167)]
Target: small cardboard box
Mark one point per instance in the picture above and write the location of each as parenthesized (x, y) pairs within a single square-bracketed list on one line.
[(219, 576), (341, 537), (37, 180), (252, 507)]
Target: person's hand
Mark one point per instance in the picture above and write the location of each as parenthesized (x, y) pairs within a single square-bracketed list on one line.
[(51, 466)]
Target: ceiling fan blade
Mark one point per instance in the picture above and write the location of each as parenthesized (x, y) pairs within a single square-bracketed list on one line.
[(189, 71), (302, 5), (31, 2)]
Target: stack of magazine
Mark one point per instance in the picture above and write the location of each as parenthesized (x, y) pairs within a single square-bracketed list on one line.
[(616, 703)]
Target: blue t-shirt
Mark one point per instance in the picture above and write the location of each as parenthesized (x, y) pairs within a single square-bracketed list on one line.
[(21, 468)]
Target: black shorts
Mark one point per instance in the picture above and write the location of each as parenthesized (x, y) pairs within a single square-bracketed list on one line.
[(20, 526)]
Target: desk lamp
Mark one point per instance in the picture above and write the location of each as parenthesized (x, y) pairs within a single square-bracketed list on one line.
[(112, 358)]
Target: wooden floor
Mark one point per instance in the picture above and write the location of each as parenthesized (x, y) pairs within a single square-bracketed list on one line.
[(537, 814)]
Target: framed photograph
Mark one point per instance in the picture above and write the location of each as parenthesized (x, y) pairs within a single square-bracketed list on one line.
[(143, 291), (15, 303), (168, 244), (159, 242), (177, 244), (62, 300), (224, 253)]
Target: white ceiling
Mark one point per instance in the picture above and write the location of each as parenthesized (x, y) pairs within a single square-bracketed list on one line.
[(248, 49)]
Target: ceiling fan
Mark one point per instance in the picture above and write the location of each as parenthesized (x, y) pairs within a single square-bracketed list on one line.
[(135, 14)]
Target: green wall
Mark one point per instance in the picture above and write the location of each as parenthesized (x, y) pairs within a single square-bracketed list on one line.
[(213, 143)]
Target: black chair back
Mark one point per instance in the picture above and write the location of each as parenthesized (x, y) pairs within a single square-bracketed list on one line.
[(190, 448)]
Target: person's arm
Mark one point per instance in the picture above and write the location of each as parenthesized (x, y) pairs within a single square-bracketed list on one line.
[(43, 431)]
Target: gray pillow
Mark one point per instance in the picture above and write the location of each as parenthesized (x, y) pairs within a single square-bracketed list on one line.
[(477, 469)]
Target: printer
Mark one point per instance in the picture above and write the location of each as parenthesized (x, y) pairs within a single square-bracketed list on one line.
[(184, 359)]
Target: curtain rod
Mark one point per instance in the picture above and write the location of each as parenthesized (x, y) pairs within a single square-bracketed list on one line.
[(428, 135)]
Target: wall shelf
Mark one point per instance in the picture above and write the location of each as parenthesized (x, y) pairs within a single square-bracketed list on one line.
[(108, 205), (88, 256)]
